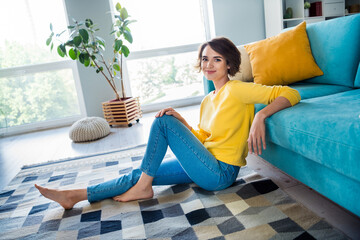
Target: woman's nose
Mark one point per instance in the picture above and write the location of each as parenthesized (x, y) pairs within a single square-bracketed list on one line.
[(209, 63)]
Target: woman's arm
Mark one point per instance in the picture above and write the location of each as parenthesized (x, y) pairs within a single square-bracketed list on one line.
[(257, 130)]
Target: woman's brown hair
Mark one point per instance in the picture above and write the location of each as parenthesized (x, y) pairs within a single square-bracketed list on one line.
[(227, 49)]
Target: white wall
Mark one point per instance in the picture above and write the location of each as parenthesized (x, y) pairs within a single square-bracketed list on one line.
[(94, 86), (242, 21)]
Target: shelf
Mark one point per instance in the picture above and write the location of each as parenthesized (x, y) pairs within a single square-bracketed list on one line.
[(314, 18)]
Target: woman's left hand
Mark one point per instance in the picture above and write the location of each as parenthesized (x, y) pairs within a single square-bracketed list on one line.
[(170, 111), (257, 135)]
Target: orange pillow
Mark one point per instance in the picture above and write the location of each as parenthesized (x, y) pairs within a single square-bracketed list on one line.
[(283, 59)]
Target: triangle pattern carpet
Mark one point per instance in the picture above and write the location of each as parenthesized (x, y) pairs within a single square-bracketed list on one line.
[(252, 208)]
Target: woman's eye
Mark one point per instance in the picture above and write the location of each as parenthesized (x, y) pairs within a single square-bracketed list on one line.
[(217, 60), (204, 59)]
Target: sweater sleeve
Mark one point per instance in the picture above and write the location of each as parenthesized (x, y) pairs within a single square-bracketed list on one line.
[(252, 93), (200, 134)]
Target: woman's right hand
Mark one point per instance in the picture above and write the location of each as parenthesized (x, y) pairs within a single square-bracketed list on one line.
[(163, 111)]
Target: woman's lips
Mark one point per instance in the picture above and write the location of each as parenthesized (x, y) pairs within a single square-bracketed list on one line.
[(210, 72)]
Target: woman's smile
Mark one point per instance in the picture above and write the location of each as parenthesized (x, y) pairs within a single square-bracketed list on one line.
[(210, 71)]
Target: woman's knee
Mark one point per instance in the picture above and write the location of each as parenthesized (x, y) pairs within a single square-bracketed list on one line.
[(165, 119)]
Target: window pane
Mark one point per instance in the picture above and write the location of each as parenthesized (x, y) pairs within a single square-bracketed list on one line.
[(164, 23), (25, 26), (37, 97), (166, 78)]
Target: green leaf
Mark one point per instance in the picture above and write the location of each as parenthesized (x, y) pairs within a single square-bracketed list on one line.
[(127, 22), (87, 62), (125, 50), (100, 41), (72, 54), (48, 41), (51, 27), (123, 13), (60, 52), (102, 47), (72, 33), (117, 45), (59, 34), (84, 34), (116, 67), (63, 49), (52, 46), (71, 27), (70, 43), (84, 58), (128, 36), (118, 7), (77, 41), (88, 23), (118, 16)]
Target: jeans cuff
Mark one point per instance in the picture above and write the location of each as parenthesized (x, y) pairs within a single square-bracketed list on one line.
[(88, 192)]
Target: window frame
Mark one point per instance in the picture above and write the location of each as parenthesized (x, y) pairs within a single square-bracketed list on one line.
[(209, 26), (38, 68)]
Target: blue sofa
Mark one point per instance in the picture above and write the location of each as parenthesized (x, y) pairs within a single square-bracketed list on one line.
[(318, 140)]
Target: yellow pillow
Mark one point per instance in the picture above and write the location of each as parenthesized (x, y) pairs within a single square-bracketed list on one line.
[(283, 59)]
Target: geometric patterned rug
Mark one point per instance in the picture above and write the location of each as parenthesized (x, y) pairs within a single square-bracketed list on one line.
[(252, 208)]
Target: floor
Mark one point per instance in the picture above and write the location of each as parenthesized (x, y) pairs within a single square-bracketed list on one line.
[(53, 144)]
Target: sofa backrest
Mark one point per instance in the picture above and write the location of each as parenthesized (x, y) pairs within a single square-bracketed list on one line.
[(357, 79), (335, 45)]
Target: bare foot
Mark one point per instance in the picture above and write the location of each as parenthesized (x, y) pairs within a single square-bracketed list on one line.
[(135, 193), (66, 198)]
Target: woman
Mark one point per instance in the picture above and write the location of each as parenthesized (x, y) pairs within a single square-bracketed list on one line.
[(212, 156)]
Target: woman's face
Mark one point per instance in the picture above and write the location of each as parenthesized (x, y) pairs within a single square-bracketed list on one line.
[(213, 65)]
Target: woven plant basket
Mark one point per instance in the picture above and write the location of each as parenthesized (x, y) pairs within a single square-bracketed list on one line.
[(122, 112)]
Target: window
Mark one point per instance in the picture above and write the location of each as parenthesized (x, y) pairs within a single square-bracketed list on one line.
[(166, 37), (38, 88)]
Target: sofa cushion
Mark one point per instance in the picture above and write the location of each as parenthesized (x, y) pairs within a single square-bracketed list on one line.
[(312, 90), (245, 72), (324, 129), (283, 59), (335, 46)]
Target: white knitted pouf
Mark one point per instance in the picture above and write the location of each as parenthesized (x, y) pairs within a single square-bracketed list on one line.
[(88, 129)]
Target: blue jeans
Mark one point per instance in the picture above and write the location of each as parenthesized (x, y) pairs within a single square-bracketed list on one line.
[(193, 163)]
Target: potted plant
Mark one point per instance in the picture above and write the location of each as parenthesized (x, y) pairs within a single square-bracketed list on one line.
[(87, 48), (306, 9)]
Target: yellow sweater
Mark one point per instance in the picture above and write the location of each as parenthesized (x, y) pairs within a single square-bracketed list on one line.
[(226, 117)]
